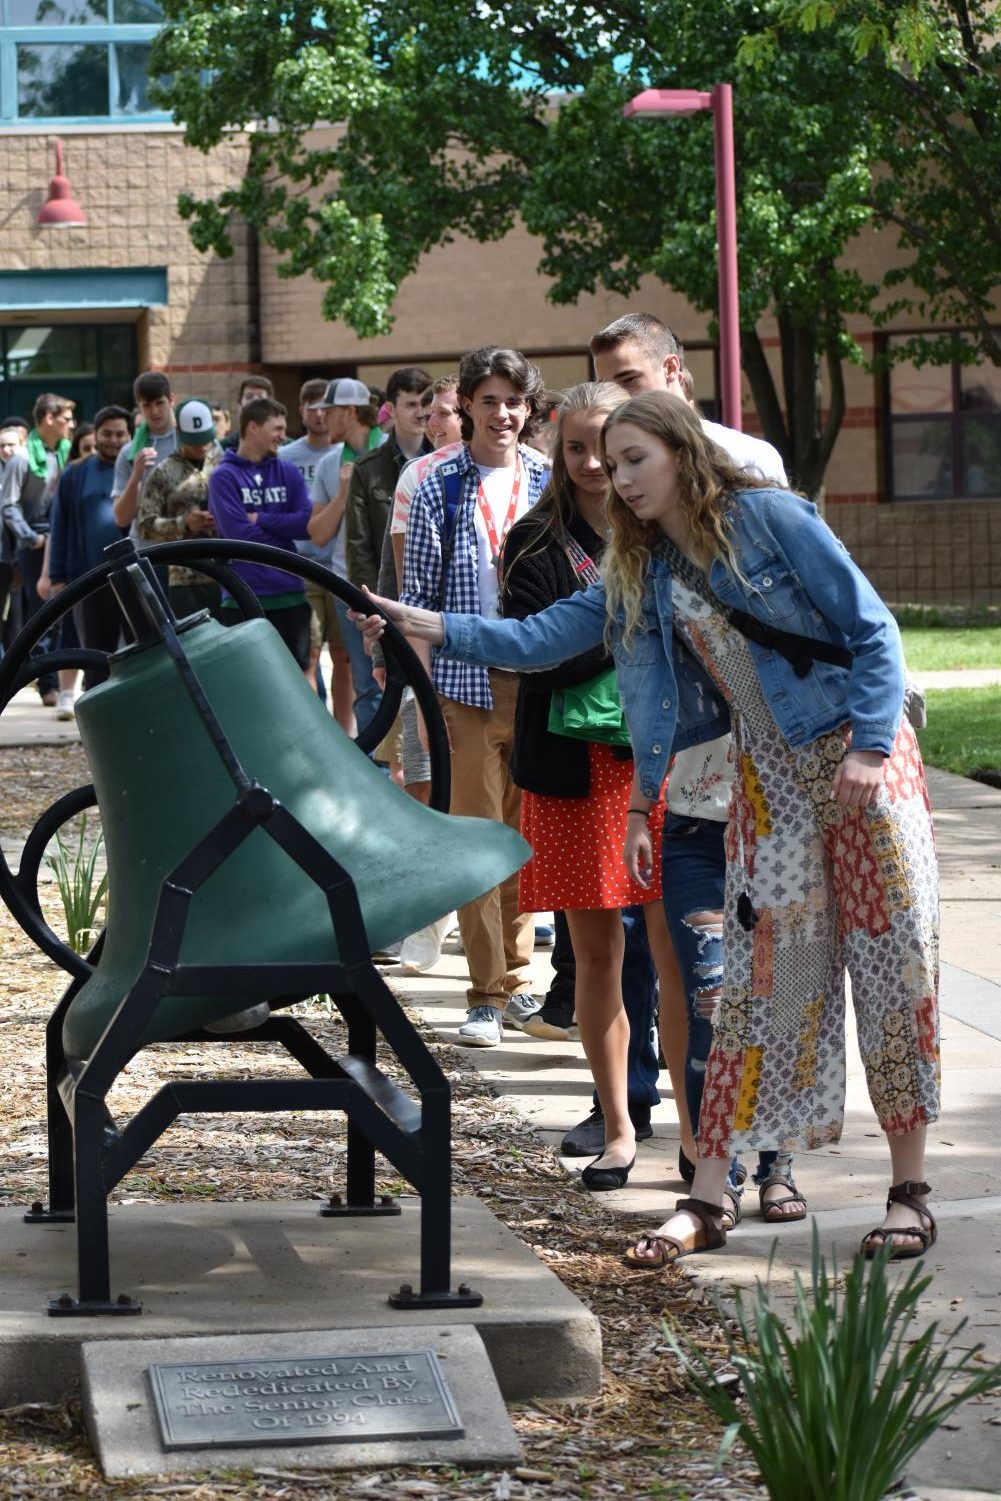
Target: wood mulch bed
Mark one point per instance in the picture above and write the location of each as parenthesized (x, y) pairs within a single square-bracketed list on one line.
[(644, 1436)]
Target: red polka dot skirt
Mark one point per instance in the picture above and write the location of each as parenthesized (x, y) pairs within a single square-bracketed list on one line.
[(577, 842)]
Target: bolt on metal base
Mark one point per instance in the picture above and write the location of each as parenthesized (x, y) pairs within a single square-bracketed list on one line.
[(463, 1297), (39, 1215), (336, 1208), (66, 1306)]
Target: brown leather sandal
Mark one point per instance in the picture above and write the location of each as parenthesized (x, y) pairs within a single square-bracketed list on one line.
[(772, 1212), (926, 1233), (709, 1237), (731, 1209)]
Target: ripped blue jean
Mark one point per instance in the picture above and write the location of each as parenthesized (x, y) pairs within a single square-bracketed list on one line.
[(694, 869)]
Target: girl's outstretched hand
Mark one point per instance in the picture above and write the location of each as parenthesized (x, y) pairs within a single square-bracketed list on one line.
[(858, 779), (372, 626), (427, 625)]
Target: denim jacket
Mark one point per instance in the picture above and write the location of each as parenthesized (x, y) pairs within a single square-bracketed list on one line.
[(795, 575)]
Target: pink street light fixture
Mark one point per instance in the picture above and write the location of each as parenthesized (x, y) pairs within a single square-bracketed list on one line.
[(61, 207), (720, 100)]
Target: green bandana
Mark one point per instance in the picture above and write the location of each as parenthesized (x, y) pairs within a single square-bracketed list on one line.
[(38, 454)]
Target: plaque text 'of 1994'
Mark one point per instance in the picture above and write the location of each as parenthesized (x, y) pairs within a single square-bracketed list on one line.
[(302, 1400)]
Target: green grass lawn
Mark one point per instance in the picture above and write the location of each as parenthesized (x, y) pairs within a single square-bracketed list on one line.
[(948, 648), (964, 729)]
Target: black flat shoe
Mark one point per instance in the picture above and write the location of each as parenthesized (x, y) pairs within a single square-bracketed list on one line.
[(598, 1179), (686, 1167)]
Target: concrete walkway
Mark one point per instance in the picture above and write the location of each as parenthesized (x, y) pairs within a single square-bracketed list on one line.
[(550, 1085), (970, 677), (27, 721)]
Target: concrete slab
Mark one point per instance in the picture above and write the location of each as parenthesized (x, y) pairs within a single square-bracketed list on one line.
[(968, 835), (123, 1426), (935, 1493), (253, 1268), (27, 721), (845, 1183), (947, 791), (965, 677)]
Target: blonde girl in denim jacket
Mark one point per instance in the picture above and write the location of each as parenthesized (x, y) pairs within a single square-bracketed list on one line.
[(724, 602)]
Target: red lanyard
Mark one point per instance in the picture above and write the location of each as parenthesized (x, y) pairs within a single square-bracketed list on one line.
[(488, 521)]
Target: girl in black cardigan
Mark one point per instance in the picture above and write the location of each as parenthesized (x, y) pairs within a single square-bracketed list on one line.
[(575, 794)]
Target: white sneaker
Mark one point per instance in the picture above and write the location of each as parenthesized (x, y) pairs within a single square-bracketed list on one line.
[(482, 1028), (422, 950), (520, 1009), (64, 704)]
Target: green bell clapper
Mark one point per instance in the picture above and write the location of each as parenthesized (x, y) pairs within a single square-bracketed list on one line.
[(161, 787)]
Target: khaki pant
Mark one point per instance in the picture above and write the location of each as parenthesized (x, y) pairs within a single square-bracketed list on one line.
[(326, 626), (498, 939)]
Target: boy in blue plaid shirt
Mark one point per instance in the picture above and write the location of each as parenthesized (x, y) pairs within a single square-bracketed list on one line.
[(459, 517)]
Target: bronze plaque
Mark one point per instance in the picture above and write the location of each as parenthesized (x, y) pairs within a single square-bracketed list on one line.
[(251, 1403)]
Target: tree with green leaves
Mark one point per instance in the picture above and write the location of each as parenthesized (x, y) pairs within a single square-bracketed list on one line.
[(516, 111), (933, 82)]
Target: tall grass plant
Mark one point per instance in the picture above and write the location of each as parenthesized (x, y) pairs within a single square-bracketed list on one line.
[(833, 1407), (82, 891)]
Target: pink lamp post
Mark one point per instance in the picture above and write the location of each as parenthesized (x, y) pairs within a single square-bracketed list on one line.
[(720, 100)]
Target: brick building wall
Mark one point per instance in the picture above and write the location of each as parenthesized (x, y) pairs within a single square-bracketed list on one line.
[(128, 183), (224, 319), (925, 551)]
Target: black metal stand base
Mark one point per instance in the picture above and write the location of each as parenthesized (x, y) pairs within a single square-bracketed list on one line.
[(67, 1307), (463, 1297), (89, 1153), (39, 1215), (337, 1209)]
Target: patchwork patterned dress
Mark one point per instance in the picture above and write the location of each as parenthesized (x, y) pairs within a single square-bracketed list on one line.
[(834, 889)]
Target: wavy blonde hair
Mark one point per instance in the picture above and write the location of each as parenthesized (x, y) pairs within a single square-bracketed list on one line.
[(707, 480), (556, 507)]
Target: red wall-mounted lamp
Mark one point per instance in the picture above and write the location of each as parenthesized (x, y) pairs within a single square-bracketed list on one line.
[(61, 207)]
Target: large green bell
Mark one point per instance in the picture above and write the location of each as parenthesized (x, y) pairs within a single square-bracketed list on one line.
[(161, 787)]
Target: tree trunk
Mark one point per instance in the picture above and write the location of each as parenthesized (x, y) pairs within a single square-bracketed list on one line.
[(804, 443), (766, 397)]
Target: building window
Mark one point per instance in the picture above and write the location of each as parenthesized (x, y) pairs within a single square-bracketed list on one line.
[(93, 364), (76, 60), (944, 430)]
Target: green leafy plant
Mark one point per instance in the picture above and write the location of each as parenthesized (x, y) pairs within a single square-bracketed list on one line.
[(833, 1407), (81, 892)]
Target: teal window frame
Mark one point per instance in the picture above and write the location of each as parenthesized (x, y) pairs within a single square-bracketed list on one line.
[(82, 34)]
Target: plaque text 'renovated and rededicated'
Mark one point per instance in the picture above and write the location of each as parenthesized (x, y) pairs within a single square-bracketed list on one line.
[(303, 1399)]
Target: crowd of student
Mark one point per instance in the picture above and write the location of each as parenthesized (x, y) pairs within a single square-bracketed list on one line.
[(549, 556)]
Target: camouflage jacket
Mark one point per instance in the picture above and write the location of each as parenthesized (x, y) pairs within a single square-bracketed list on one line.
[(175, 487)]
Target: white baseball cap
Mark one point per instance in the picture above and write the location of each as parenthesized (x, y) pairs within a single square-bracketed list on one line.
[(195, 423), (344, 392)]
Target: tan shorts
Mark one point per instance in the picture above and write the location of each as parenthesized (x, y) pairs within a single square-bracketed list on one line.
[(326, 626)]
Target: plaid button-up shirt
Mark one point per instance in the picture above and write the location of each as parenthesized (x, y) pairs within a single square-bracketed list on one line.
[(422, 563)]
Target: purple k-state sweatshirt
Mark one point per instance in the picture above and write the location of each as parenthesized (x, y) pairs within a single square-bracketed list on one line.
[(277, 492)]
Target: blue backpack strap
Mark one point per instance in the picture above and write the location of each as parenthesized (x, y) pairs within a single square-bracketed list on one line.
[(451, 478)]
